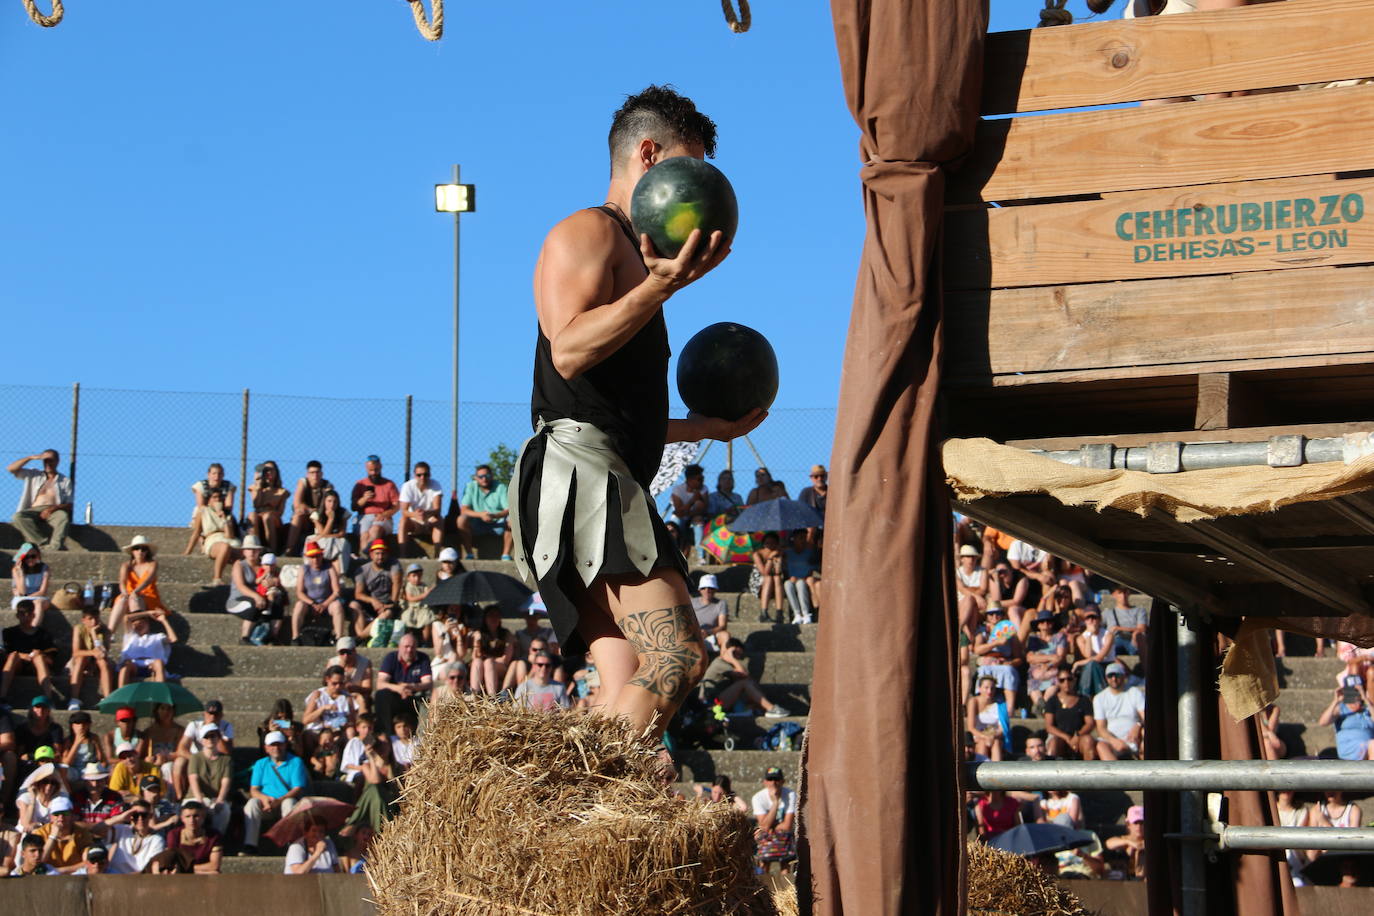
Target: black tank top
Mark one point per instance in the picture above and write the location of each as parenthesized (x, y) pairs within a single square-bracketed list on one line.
[(626, 394)]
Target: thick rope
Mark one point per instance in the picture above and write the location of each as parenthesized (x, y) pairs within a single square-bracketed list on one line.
[(432, 28), (48, 22), (740, 23), (1055, 14)]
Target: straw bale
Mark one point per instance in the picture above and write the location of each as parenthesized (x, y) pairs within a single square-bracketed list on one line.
[(509, 810), (1003, 884)]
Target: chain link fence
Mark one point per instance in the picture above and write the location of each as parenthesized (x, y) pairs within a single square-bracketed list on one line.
[(134, 454)]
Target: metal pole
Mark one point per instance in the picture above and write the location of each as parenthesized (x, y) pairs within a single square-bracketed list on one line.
[(757, 457), (243, 457), (1192, 804), (409, 404), (1298, 838), (1174, 775), (453, 452), (76, 413), (730, 456)]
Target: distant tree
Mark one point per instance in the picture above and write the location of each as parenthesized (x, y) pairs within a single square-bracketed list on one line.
[(502, 461)]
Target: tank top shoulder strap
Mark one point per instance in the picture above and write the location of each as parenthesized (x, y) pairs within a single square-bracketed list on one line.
[(620, 220)]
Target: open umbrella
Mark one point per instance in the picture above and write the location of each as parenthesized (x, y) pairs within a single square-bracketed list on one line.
[(330, 811), (1329, 867), (777, 515), (727, 543), (145, 695), (1037, 839), (481, 587)]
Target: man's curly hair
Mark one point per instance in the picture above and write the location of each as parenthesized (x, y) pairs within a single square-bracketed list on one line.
[(664, 116)]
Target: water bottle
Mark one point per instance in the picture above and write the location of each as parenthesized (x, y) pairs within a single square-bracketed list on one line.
[(88, 594), (88, 512), (107, 596), (785, 742)]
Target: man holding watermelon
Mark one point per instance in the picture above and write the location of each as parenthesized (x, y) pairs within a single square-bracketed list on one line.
[(584, 525)]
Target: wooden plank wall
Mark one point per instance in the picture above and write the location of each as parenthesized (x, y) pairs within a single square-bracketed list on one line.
[(1220, 235)]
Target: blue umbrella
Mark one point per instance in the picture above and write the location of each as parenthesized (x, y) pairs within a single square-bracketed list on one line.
[(777, 515), (1038, 839)]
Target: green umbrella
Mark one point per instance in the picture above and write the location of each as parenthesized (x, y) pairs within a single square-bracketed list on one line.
[(144, 695)]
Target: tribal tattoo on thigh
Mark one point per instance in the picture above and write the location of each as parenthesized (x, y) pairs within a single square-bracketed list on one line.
[(668, 646)]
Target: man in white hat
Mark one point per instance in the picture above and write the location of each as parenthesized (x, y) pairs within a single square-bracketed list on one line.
[(278, 783), (357, 668), (711, 613), (64, 838)]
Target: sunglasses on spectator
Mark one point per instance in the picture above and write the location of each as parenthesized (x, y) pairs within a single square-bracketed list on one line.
[(483, 476), (453, 677), (541, 664), (814, 476), (1064, 678), (138, 815)]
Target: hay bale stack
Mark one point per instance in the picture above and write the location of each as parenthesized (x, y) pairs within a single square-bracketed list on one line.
[(1003, 884), (516, 811)]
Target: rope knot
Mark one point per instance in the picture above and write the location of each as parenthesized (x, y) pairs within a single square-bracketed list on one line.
[(1055, 14)]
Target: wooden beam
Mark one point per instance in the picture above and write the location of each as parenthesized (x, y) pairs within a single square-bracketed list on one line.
[(1251, 434), (1265, 136), (1317, 316), (1282, 224), (1126, 60), (1237, 543), (1225, 400), (1007, 515), (1357, 508), (1269, 601)]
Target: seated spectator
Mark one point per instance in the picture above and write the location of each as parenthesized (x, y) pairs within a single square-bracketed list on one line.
[(28, 647), (217, 531), (1293, 813), (268, 498), (1358, 670), (1068, 615), (314, 852), (30, 580), (1349, 712), (720, 793), (192, 847), (416, 616), (30, 859), (377, 803), (403, 743), (125, 730), (317, 596), (144, 654), (331, 531), (1063, 808), (376, 500), (129, 770), (974, 586), (1119, 712), (1272, 746), (452, 643), (484, 510), (209, 777), (711, 612), (1096, 653), (377, 588), (521, 668), (330, 706), (422, 510), (1336, 811), (768, 568), (259, 615), (283, 719), (38, 731), (815, 497), (1033, 563), (998, 652), (493, 650), (97, 802), (95, 860), (326, 760), (150, 792), (357, 669), (1016, 591), (1069, 720), (82, 746), (1132, 844), (536, 630), (996, 812), (727, 681), (188, 747), (37, 794), (800, 564), (137, 582), (724, 499), (987, 718), (132, 841), (64, 838), (163, 737), (351, 761), (540, 690), (45, 506), (691, 505), (587, 688), (213, 487), (1125, 624), (775, 812), (91, 643), (278, 782), (1046, 650), (765, 488), (403, 681), (306, 502)]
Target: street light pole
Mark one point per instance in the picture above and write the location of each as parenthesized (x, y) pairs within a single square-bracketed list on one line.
[(453, 453)]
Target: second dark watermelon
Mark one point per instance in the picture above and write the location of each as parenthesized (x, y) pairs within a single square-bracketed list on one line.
[(726, 370), (681, 194)]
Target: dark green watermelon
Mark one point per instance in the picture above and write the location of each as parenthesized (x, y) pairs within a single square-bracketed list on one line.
[(726, 370), (681, 194)]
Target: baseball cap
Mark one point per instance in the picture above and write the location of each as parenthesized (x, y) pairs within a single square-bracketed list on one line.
[(81, 716), (269, 559), (773, 773), (125, 712), (274, 738), (967, 551), (449, 554), (373, 458), (39, 700), (44, 753), (1135, 814), (97, 853), (707, 581), (345, 642), (61, 803), (414, 567), (1044, 615), (150, 782), (125, 747), (377, 544), (1116, 668), (214, 706), (209, 733)]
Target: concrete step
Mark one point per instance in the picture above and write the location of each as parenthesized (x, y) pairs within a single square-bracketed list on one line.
[(252, 865), (1310, 671)]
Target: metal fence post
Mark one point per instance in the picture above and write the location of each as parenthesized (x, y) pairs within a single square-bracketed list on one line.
[(243, 456), (76, 413), (1192, 805), (409, 405)]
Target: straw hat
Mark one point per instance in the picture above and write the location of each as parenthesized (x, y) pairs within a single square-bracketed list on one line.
[(252, 543), (140, 541)]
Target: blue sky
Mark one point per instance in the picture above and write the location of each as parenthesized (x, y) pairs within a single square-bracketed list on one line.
[(240, 195)]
